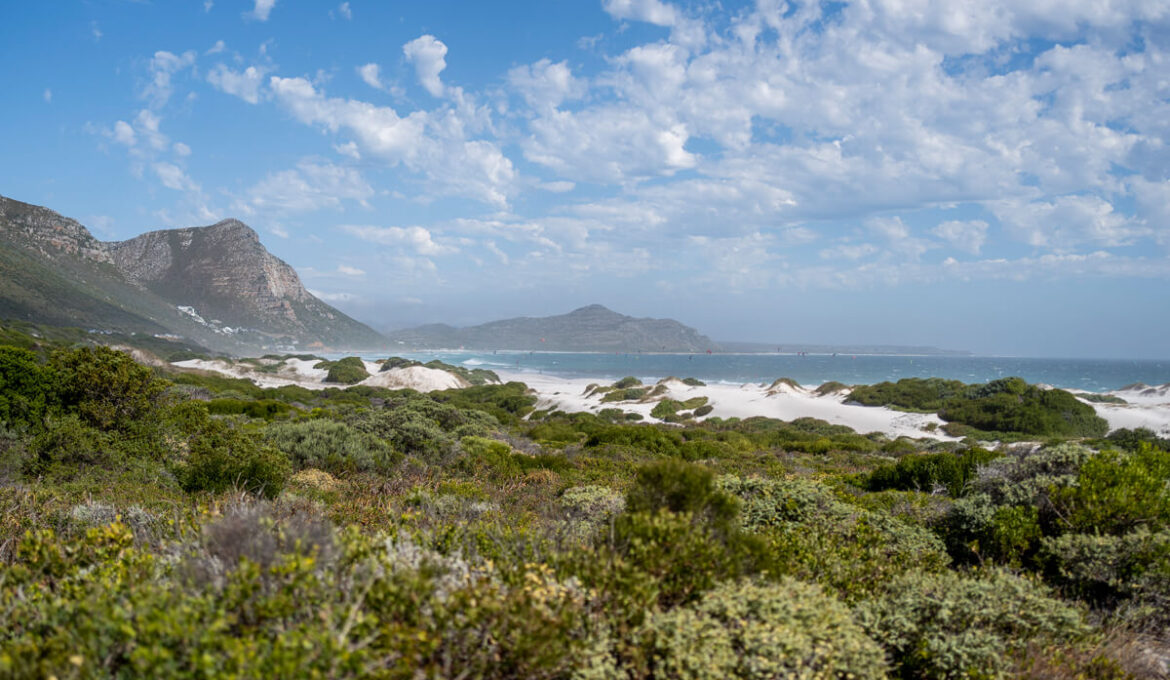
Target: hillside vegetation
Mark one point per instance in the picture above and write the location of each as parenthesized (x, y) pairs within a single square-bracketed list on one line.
[(182, 525)]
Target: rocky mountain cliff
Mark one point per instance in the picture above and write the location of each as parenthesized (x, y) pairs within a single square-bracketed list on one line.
[(588, 329), (216, 285)]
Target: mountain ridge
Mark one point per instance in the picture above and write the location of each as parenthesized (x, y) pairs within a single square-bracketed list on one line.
[(217, 284), (586, 329)]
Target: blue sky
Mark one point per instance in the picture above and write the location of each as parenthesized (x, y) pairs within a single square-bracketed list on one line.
[(989, 176)]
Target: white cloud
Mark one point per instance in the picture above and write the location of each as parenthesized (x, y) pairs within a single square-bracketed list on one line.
[(418, 239), (310, 186), (348, 149), (123, 133), (344, 10), (173, 177), (181, 149), (48, 96), (262, 9), (1065, 222), (218, 47), (95, 31), (243, 84), (164, 65), (545, 84), (428, 54), (146, 125), (350, 271), (968, 236), (208, 4), (371, 74), (650, 11)]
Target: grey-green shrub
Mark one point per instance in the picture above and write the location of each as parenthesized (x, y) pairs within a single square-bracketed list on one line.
[(332, 446), (754, 630), (948, 625)]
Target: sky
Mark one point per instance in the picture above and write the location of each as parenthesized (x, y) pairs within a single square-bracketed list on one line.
[(991, 176)]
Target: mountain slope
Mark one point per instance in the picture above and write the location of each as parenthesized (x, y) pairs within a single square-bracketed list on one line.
[(215, 285), (588, 329)]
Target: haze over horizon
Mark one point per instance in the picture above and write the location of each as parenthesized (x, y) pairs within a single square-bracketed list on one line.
[(992, 178)]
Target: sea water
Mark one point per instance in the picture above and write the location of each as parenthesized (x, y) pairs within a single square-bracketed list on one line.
[(1094, 375)]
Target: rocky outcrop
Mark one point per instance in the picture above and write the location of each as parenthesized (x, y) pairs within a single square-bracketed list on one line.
[(589, 329), (217, 284)]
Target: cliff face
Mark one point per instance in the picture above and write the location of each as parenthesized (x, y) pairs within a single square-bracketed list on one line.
[(216, 284), (588, 329)]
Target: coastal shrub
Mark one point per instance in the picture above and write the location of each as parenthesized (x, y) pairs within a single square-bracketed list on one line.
[(1130, 440), (948, 625), (703, 410), (497, 460), (222, 458), (592, 503), (917, 394), (925, 472), (347, 371), (647, 438), (630, 394), (1130, 571), (331, 446), (665, 408), (507, 403), (421, 427), (1116, 492), (64, 443), (627, 382), (831, 387), (682, 488), (694, 382), (1011, 405), (106, 388), (762, 630), (268, 409), (24, 388)]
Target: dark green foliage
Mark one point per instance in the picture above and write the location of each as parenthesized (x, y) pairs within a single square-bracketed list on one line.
[(918, 394), (108, 389), (418, 426), (332, 446), (831, 387), (347, 371), (1131, 440), (682, 488), (1117, 492), (703, 410), (627, 382), (923, 472), (1011, 405), (65, 443), (1101, 398), (628, 394), (643, 437), (694, 382), (223, 458), (508, 403), (268, 409), (497, 459), (24, 388)]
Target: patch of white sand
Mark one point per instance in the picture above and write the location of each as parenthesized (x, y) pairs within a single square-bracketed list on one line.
[(301, 372), (418, 378), (783, 402)]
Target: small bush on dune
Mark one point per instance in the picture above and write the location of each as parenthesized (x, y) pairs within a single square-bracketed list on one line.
[(347, 371)]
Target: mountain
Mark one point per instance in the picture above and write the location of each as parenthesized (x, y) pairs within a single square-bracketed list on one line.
[(588, 329), (215, 285)]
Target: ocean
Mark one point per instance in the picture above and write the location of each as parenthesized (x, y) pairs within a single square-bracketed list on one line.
[(1094, 375)]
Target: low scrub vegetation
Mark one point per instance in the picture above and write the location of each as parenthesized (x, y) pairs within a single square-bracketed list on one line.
[(181, 525)]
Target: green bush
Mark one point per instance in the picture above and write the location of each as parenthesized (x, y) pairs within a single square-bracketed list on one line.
[(107, 388), (627, 382), (682, 488), (332, 446), (703, 410), (919, 394), (947, 625), (1117, 492), (347, 371), (923, 472), (24, 388), (1011, 405), (755, 630), (268, 409), (646, 438), (66, 442), (496, 459), (223, 458)]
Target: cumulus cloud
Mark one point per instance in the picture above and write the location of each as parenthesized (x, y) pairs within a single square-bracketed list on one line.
[(262, 9), (173, 177), (243, 84), (428, 54), (371, 75), (415, 238), (311, 185), (344, 10), (350, 271), (163, 66), (968, 236), (545, 84)]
